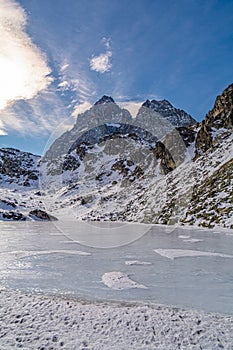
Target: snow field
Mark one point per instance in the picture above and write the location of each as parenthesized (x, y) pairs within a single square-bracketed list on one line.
[(30, 321)]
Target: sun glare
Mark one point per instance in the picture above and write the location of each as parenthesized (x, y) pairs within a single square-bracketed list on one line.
[(24, 70), (14, 77)]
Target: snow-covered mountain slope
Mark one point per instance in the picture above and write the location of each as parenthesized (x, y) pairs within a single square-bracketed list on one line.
[(111, 182), (196, 193), (108, 148), (212, 201), (20, 198), (111, 166)]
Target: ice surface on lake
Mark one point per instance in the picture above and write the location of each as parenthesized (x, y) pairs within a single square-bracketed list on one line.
[(182, 253), (119, 280), (36, 256), (136, 262), (184, 236), (23, 254), (193, 240), (96, 234)]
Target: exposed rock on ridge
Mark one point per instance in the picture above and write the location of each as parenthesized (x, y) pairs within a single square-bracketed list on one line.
[(19, 167), (104, 99), (177, 117), (218, 122)]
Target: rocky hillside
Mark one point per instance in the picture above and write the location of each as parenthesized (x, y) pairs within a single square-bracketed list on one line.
[(159, 167), (19, 185), (18, 168), (196, 193), (218, 121), (212, 201)]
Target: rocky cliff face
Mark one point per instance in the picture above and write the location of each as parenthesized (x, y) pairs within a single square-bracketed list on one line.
[(217, 123), (105, 120), (177, 117), (221, 116), (104, 111)]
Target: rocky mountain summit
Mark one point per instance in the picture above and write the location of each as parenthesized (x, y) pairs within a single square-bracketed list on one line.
[(160, 167), (105, 99), (175, 116), (107, 120)]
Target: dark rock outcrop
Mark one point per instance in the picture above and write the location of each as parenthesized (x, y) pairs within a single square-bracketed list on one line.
[(166, 161), (42, 215), (217, 122), (13, 216), (105, 99), (188, 134)]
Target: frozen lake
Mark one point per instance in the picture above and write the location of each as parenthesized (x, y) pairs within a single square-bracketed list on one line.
[(182, 267)]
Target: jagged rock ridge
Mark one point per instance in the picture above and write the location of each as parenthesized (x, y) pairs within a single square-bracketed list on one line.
[(177, 117), (105, 99)]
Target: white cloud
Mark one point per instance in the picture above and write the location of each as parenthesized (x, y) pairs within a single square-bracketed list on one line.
[(64, 67), (64, 85), (101, 63), (2, 130), (132, 107), (38, 116), (80, 108), (23, 68)]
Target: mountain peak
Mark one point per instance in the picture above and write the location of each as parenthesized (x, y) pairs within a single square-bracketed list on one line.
[(155, 104), (175, 116), (105, 99)]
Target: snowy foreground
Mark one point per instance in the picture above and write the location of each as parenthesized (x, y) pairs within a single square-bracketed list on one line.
[(78, 286), (30, 321)]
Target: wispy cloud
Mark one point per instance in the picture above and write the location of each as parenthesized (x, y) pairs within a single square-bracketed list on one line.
[(73, 80), (23, 68), (64, 67), (80, 108), (101, 63), (38, 116), (2, 130), (107, 43)]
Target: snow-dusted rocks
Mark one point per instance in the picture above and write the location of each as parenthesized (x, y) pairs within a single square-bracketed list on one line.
[(41, 215), (111, 166), (217, 123), (18, 168)]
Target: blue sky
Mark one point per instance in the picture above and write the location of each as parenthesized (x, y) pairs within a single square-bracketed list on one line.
[(57, 57)]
